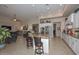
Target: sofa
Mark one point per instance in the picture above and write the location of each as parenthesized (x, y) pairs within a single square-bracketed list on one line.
[(13, 37)]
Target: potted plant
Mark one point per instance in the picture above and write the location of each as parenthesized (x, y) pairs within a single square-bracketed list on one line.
[(4, 33)]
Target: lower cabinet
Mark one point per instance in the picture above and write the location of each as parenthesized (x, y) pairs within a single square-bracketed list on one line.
[(77, 46), (74, 48), (65, 38), (72, 42)]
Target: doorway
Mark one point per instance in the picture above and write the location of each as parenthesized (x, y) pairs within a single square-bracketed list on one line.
[(57, 29), (35, 28), (54, 30)]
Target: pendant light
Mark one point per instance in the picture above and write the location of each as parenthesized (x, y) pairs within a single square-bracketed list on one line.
[(14, 19)]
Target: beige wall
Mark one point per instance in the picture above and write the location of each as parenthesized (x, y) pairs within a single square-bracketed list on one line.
[(17, 25), (37, 21), (61, 20), (8, 21)]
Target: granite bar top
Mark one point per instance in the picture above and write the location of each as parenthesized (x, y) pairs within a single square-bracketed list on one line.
[(39, 35), (72, 36)]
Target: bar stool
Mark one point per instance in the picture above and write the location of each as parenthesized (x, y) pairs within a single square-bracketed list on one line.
[(29, 42), (38, 46)]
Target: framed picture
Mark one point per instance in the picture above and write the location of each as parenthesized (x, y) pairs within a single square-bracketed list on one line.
[(42, 21)]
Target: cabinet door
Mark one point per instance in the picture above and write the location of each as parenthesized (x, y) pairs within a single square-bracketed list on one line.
[(71, 42), (77, 47), (77, 20), (67, 39), (63, 36)]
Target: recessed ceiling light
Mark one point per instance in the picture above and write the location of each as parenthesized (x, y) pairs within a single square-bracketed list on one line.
[(33, 5), (14, 19), (47, 4), (61, 4), (48, 8)]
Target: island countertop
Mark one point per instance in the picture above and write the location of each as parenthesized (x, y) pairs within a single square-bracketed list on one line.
[(39, 35), (45, 41)]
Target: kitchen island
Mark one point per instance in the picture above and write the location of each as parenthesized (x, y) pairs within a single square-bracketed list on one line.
[(45, 41)]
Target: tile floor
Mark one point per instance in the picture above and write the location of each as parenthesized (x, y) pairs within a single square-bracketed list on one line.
[(18, 48), (57, 47)]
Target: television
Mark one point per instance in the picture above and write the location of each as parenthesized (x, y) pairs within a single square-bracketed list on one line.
[(7, 27)]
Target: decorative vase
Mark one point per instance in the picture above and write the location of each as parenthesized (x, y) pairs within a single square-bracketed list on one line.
[(2, 46)]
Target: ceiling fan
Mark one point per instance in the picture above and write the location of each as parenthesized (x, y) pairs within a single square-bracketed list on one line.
[(15, 19)]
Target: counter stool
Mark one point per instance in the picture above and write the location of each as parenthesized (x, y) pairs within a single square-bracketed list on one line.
[(29, 42), (39, 49), (38, 46)]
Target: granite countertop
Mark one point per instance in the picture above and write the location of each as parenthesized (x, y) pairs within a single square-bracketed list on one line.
[(72, 36), (39, 35)]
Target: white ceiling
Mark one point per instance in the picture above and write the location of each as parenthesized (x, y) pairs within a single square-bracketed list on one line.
[(34, 11)]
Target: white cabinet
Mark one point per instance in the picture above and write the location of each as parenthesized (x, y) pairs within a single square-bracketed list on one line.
[(64, 37), (45, 45), (77, 46), (76, 20), (72, 42), (71, 18), (67, 39)]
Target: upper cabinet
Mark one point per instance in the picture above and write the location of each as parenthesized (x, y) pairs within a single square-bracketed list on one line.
[(73, 20), (70, 21), (76, 20)]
